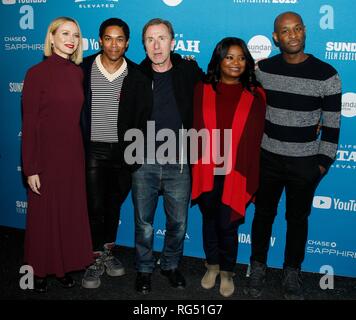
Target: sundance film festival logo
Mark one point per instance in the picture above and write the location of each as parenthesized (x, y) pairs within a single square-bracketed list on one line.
[(246, 239), (21, 207), (172, 3), (96, 4), (342, 51), (349, 105), (260, 47), (15, 87), (345, 157)]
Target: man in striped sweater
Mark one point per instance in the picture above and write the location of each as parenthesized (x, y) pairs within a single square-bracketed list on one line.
[(299, 145), (115, 98)]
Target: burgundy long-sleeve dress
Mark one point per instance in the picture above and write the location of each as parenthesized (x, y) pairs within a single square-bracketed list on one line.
[(57, 237)]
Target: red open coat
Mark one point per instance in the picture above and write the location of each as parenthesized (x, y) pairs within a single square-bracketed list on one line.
[(247, 130)]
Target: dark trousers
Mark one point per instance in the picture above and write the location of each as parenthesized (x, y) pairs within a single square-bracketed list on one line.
[(220, 239), (299, 177), (108, 185)]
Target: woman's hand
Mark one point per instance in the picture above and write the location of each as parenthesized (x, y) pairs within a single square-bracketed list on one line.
[(34, 183)]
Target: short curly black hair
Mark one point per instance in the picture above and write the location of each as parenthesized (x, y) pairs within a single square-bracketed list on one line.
[(114, 22)]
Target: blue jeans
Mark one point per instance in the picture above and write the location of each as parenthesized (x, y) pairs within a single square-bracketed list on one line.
[(148, 182)]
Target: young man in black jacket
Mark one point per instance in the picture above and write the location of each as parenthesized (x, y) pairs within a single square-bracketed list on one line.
[(171, 108), (116, 94)]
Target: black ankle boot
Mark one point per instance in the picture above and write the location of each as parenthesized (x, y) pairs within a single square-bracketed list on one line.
[(40, 284), (143, 282), (66, 282)]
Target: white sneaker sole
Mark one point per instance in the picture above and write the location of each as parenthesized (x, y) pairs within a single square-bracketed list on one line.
[(115, 273), (91, 284)]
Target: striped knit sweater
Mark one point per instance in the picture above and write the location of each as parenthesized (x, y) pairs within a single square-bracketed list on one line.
[(299, 96), (106, 89)]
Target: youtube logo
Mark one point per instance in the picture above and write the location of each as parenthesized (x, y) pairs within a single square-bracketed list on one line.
[(322, 202), (85, 44), (8, 1)]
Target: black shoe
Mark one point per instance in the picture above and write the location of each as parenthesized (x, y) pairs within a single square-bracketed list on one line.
[(66, 281), (292, 284), (175, 278), (40, 284), (143, 282), (257, 279)]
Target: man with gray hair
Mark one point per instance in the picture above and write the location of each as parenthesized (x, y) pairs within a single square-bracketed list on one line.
[(173, 81)]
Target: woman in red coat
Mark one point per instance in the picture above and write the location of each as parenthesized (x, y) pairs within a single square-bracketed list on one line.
[(57, 237), (232, 101)]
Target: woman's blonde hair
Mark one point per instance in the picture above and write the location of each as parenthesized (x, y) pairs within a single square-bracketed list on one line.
[(77, 56)]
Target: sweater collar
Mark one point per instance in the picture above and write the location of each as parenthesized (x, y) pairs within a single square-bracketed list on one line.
[(58, 59)]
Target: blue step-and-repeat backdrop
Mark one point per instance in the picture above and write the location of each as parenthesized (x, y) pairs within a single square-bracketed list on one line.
[(199, 25)]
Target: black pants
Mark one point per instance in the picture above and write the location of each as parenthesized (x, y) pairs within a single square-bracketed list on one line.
[(220, 239), (299, 176), (108, 185)]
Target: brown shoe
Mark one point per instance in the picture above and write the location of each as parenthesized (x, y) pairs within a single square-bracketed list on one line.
[(227, 286), (208, 281)]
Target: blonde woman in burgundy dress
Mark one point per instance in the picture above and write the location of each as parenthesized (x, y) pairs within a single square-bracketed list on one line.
[(57, 237)]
